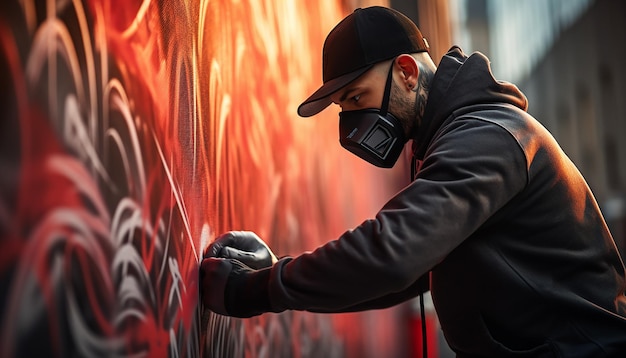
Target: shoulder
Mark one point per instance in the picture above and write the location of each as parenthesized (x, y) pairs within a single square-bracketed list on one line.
[(483, 139)]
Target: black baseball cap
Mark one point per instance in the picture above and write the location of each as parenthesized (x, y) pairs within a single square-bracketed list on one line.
[(362, 39)]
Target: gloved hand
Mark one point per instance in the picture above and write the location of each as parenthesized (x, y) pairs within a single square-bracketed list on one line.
[(213, 277), (229, 287), (244, 246)]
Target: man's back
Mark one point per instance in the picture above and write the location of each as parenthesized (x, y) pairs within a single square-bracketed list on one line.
[(542, 276)]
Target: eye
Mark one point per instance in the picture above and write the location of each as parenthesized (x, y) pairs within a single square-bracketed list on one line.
[(356, 98)]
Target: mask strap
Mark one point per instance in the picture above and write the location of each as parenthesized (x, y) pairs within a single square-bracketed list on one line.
[(385, 105)]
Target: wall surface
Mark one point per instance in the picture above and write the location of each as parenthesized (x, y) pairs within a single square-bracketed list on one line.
[(134, 132)]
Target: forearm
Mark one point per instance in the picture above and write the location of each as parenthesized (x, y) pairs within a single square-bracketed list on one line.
[(419, 286)]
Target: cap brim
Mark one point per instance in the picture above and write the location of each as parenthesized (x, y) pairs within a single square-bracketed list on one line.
[(320, 99)]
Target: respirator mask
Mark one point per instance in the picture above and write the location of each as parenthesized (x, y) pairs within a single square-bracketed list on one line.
[(374, 135)]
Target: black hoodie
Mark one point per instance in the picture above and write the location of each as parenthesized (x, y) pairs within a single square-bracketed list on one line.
[(522, 263)]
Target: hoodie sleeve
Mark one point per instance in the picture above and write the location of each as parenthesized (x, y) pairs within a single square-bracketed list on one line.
[(471, 170), (419, 286)]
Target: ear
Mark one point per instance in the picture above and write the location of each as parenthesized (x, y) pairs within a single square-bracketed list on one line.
[(410, 70)]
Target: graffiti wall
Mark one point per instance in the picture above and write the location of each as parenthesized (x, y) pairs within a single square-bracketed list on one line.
[(134, 132)]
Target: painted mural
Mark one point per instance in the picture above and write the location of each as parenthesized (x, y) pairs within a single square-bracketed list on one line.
[(132, 132)]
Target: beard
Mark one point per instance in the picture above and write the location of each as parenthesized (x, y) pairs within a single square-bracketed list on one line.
[(404, 109)]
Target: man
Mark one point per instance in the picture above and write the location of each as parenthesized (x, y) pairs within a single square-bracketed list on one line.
[(521, 261)]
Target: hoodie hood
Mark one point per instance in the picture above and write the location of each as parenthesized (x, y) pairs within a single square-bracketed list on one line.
[(461, 81)]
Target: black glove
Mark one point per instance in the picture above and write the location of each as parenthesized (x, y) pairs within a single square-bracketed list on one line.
[(229, 287), (245, 246)]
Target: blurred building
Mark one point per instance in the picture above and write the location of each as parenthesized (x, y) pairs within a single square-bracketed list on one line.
[(567, 57)]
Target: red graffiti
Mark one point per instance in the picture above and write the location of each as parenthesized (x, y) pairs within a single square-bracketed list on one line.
[(133, 133)]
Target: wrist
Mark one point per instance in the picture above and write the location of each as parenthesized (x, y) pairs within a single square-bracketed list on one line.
[(246, 293)]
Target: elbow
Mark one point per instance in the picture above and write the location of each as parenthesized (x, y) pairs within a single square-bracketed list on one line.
[(399, 277)]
